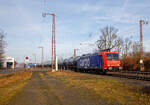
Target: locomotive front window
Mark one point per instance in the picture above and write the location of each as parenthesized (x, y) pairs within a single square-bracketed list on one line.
[(112, 56), (109, 56), (115, 56)]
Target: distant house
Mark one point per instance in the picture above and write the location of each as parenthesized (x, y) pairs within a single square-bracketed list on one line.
[(9, 62)]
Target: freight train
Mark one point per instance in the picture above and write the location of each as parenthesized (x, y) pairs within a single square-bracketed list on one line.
[(101, 61)]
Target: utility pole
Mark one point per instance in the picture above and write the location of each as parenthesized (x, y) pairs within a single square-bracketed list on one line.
[(34, 60), (53, 61), (53, 34), (42, 60), (141, 44)]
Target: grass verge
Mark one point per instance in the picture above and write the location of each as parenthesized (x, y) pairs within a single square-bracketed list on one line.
[(114, 91), (41, 75), (12, 83)]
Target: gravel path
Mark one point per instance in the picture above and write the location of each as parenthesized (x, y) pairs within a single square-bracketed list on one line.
[(47, 90)]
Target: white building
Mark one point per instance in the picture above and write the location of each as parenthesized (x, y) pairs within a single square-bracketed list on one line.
[(9, 62)]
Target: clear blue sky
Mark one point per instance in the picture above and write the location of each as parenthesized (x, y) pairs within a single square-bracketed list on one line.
[(26, 28)]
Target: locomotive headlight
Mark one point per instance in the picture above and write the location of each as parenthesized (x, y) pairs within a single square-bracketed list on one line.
[(108, 64), (110, 68)]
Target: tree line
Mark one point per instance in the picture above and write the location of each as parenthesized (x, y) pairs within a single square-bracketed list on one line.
[(129, 50)]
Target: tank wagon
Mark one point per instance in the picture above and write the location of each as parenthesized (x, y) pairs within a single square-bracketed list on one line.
[(70, 63), (99, 62)]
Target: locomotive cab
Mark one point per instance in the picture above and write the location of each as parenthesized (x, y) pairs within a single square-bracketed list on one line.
[(112, 61)]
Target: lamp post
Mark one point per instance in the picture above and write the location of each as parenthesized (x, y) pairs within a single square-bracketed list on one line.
[(142, 22), (53, 40)]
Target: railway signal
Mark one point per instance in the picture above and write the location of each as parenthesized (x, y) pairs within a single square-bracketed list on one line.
[(27, 58), (141, 44), (26, 61)]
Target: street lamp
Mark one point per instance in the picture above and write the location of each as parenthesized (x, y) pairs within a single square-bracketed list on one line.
[(53, 40)]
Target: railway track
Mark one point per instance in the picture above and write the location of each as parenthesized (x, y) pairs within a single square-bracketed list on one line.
[(131, 75), (138, 75)]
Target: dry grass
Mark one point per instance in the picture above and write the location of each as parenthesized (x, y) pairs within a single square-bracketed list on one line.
[(112, 90), (3, 75), (41, 75), (11, 84)]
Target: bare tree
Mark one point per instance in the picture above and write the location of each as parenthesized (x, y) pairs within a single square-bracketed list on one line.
[(119, 46), (126, 46), (136, 48), (2, 45), (109, 39), (130, 54)]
